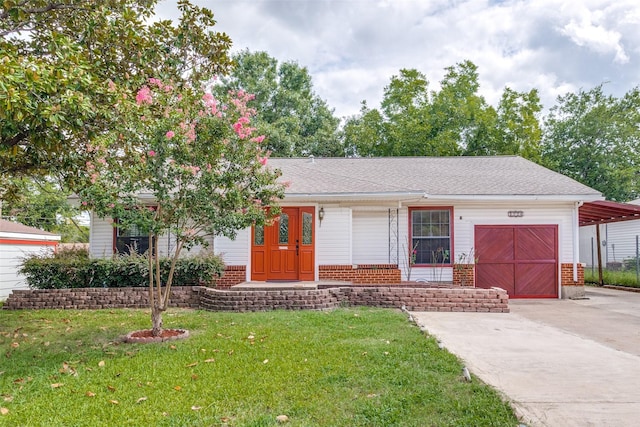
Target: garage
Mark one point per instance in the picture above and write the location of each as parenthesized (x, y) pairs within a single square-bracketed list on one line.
[(522, 259)]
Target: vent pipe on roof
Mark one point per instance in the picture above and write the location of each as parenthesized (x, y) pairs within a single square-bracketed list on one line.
[(312, 159)]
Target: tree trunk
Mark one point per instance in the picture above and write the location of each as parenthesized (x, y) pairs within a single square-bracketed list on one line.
[(156, 321)]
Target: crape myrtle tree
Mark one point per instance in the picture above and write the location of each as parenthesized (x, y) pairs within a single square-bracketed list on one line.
[(179, 162)]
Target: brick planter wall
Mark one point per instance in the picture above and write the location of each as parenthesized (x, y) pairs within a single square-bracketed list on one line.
[(96, 298), (233, 275), (364, 273), (413, 298)]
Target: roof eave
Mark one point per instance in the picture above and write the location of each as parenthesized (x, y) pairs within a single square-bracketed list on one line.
[(518, 197)]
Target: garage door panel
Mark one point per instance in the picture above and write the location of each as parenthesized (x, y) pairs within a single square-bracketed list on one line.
[(496, 275), (536, 243), (522, 259), (498, 244), (535, 280)]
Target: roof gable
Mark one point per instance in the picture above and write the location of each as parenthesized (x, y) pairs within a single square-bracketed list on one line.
[(16, 227)]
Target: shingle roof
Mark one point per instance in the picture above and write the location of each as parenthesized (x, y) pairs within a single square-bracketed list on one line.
[(445, 176), (15, 227)]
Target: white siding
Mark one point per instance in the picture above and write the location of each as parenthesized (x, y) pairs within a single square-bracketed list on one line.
[(101, 237), (11, 256), (588, 248), (334, 237), (371, 237), (237, 251), (467, 216), (618, 240)]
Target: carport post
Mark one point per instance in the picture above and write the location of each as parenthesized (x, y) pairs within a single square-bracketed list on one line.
[(637, 261), (600, 280)]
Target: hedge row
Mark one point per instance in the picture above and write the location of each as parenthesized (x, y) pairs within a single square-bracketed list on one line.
[(77, 271)]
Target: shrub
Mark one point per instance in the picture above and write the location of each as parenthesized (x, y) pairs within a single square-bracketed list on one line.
[(64, 270)]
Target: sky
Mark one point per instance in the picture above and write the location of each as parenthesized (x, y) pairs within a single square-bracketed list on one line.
[(352, 48)]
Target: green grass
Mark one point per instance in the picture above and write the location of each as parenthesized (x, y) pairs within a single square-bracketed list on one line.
[(618, 278), (347, 367)]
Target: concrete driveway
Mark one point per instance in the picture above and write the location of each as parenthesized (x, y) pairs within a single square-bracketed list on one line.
[(560, 362)]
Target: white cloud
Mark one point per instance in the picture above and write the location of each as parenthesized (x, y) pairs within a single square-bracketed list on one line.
[(353, 47)]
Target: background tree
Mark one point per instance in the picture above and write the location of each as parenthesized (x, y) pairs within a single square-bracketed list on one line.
[(295, 120), (455, 120), (195, 159), (57, 57), (42, 204), (595, 138), (514, 128)]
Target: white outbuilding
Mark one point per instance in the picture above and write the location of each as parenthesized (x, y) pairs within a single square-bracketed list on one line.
[(16, 242)]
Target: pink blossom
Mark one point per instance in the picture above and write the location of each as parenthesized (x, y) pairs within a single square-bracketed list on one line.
[(168, 88), (102, 161), (112, 86), (144, 96), (111, 205), (90, 166), (151, 153), (263, 161), (170, 134), (156, 82), (84, 203), (208, 99), (94, 178), (258, 139)]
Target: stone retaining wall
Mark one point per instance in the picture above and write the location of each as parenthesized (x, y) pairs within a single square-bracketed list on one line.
[(96, 298), (413, 298)]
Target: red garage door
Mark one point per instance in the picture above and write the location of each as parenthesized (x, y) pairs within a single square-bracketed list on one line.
[(521, 259)]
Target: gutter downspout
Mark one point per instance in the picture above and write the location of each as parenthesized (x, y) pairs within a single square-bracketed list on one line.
[(576, 239)]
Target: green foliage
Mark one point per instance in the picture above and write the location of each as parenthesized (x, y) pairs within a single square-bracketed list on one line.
[(74, 269), (57, 58), (455, 120), (295, 120), (347, 367), (42, 204), (594, 138)]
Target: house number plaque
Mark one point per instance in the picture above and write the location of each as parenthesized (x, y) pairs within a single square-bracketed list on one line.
[(515, 214)]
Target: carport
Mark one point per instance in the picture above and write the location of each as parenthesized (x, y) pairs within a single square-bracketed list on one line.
[(604, 212)]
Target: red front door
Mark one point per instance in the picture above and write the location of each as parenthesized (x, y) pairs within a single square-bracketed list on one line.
[(285, 250)]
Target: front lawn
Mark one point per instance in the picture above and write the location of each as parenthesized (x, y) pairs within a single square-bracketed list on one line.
[(355, 367)]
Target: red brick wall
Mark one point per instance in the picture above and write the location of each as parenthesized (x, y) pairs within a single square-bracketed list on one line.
[(566, 274), (464, 275), (387, 274), (233, 275)]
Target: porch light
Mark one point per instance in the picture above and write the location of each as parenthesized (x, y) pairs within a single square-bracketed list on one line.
[(321, 214)]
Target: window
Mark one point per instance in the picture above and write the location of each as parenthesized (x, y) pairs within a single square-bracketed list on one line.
[(131, 240), (431, 235), (307, 228)]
